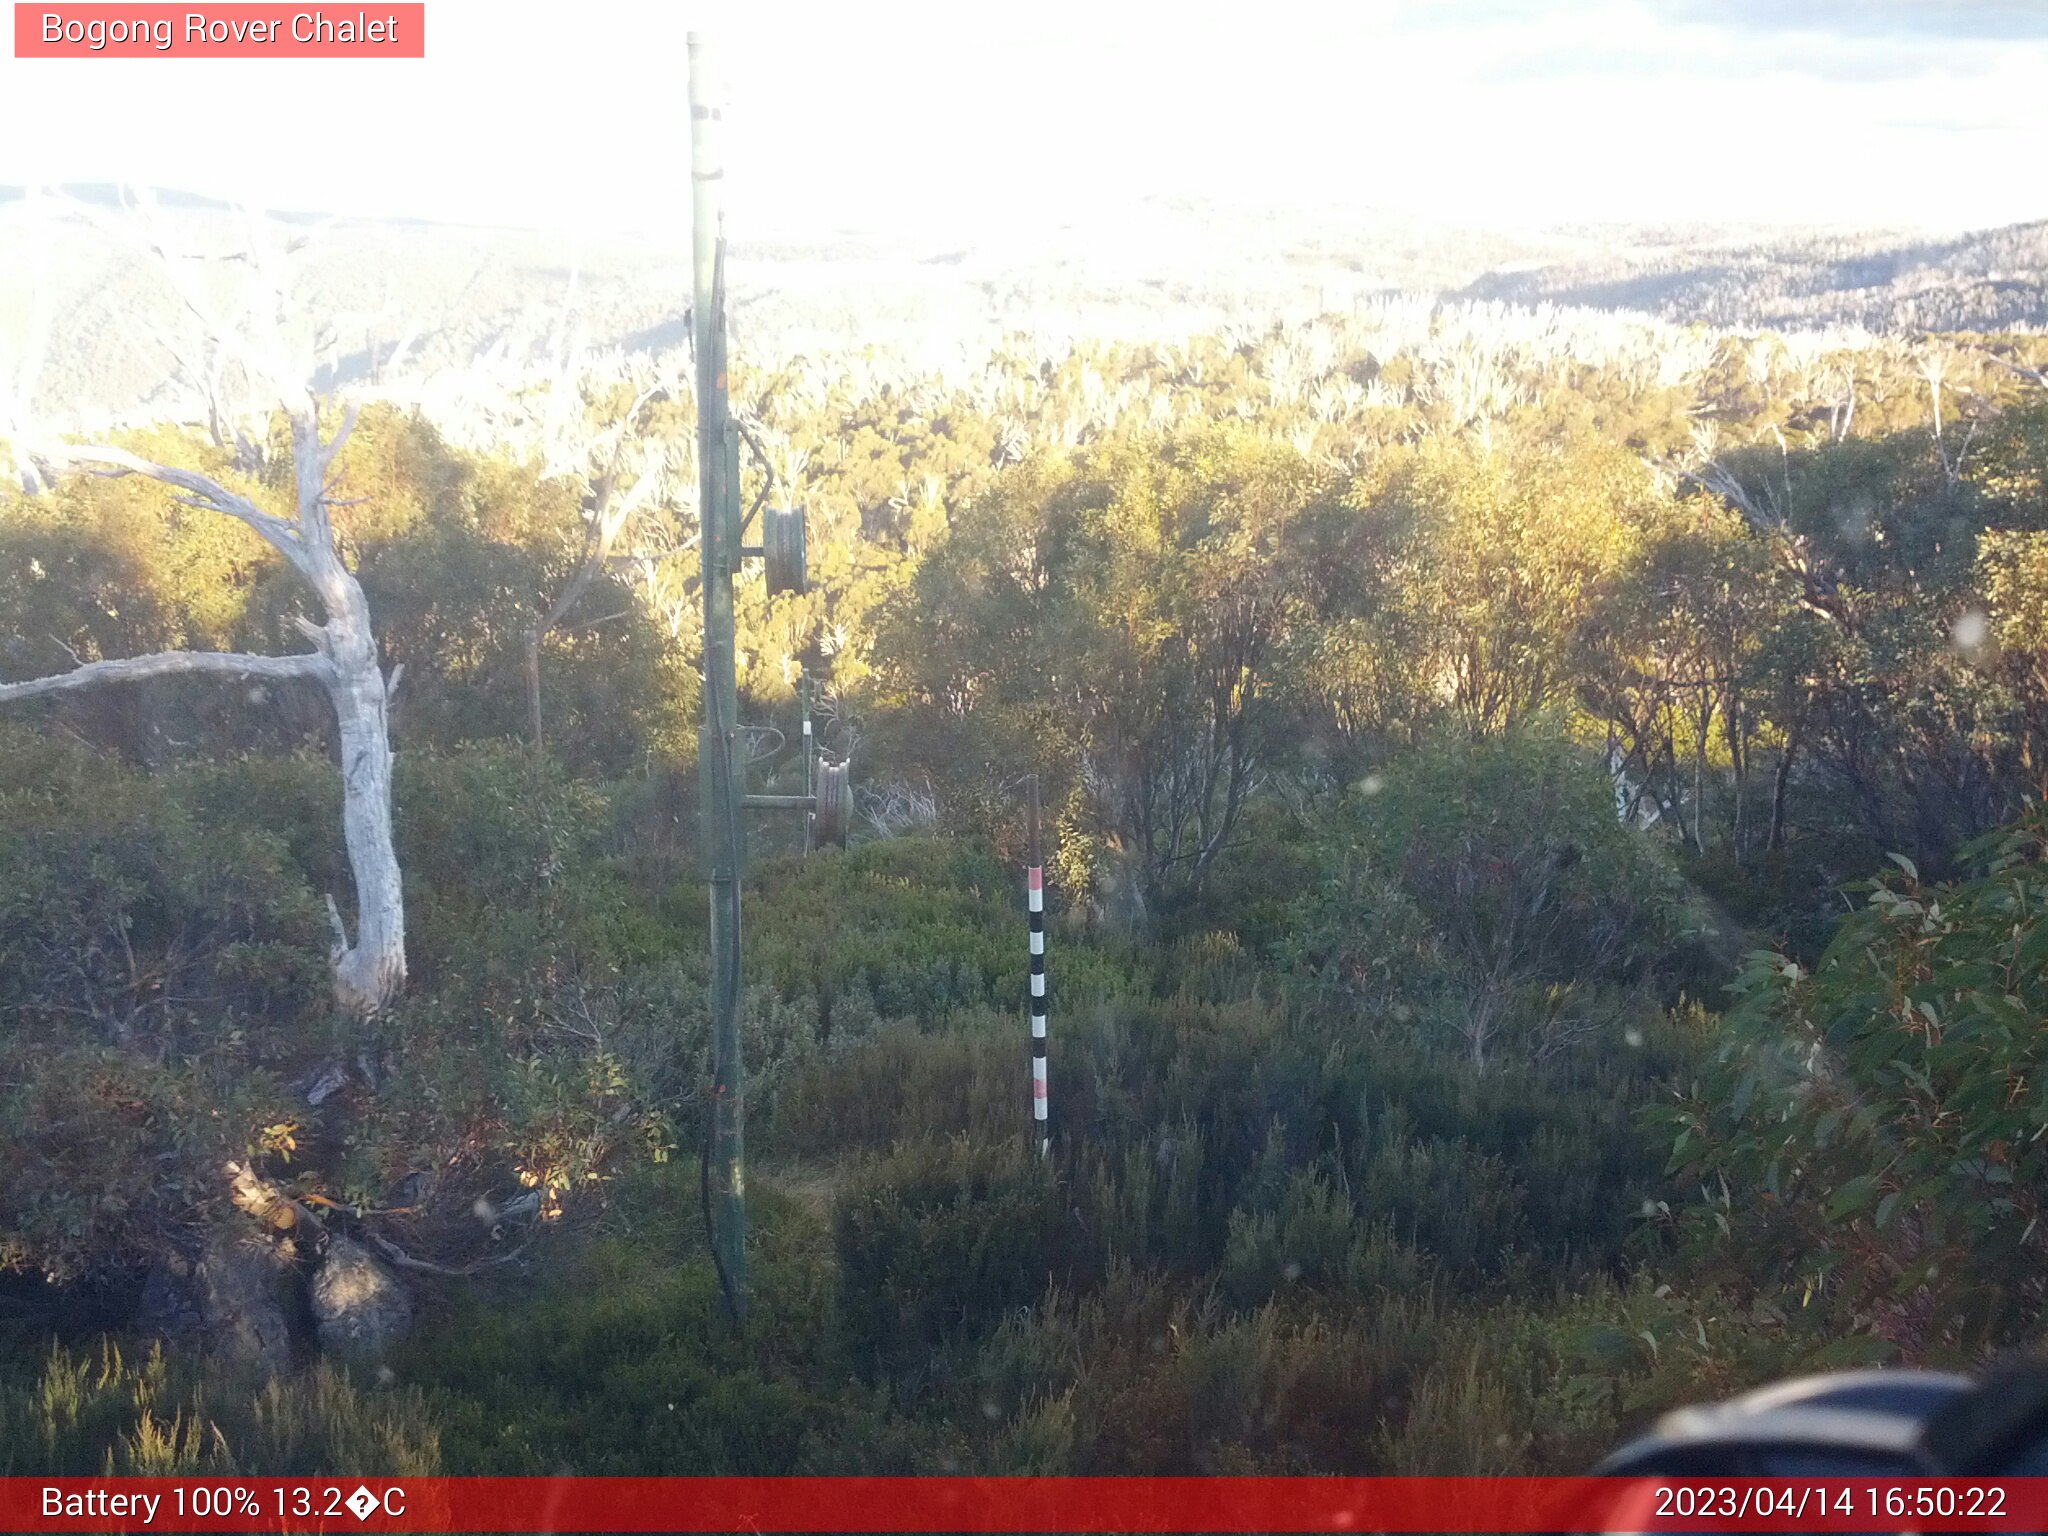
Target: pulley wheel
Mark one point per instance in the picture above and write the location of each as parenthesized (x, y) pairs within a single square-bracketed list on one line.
[(834, 816), (782, 547)]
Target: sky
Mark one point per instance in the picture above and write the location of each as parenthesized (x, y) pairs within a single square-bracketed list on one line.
[(965, 120)]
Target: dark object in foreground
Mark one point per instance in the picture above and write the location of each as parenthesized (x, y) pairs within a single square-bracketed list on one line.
[(1846, 1424), (1870, 1423)]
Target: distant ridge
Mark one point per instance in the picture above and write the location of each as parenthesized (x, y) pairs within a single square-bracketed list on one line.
[(1991, 279), (1152, 268)]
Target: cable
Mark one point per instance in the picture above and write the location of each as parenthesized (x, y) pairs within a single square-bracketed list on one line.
[(725, 1286), (756, 732)]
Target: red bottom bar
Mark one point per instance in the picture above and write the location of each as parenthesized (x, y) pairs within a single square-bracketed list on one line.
[(1021, 1504)]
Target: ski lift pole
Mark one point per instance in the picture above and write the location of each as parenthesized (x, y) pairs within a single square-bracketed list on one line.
[(721, 760), (719, 765), (1034, 897)]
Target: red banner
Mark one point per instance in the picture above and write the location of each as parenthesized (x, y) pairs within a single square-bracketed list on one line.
[(1021, 1504), (232, 31)]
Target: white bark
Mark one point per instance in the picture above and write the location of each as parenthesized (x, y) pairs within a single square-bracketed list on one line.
[(134, 669), (369, 972)]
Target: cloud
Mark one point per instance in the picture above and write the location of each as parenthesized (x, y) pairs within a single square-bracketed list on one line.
[(1814, 41), (1922, 20)]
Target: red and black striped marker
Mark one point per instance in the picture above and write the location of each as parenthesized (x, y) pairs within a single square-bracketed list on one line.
[(1034, 879), (1034, 900)]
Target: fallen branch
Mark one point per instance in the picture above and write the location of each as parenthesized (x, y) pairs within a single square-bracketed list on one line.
[(404, 1260)]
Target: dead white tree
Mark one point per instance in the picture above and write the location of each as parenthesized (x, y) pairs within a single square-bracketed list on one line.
[(1936, 361), (370, 970), (1769, 514), (622, 469)]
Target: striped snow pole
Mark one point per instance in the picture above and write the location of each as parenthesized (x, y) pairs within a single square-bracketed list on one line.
[(1034, 886)]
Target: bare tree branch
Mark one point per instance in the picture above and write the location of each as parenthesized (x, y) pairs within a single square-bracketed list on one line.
[(334, 444), (135, 669), (209, 493), (2032, 375)]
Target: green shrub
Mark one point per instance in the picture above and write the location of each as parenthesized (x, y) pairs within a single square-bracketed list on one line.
[(867, 1093), (937, 1241), (1872, 1126), (161, 980), (1491, 877), (618, 1360), (1315, 1240), (1149, 1203)]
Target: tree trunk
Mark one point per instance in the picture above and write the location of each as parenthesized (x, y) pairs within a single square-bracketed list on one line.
[(1779, 783), (533, 684), (369, 972), (1699, 780), (1738, 757)]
